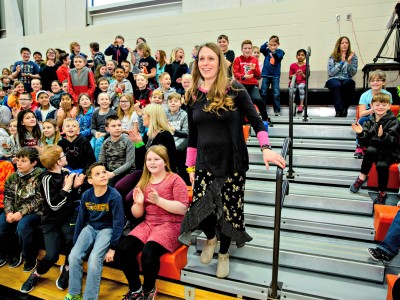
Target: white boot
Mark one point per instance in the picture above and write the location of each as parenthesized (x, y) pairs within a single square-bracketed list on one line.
[(223, 265), (208, 251)]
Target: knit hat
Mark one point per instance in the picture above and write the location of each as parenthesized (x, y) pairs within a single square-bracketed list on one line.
[(41, 92)]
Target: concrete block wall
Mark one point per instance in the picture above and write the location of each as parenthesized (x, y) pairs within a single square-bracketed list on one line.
[(298, 23)]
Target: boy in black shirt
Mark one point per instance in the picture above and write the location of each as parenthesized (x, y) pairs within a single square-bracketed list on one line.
[(59, 217)]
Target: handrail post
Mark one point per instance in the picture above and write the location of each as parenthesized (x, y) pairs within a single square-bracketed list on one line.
[(282, 188), (308, 54)]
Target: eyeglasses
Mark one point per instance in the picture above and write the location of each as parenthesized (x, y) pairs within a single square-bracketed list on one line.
[(123, 101), (376, 80), (63, 156), (24, 99)]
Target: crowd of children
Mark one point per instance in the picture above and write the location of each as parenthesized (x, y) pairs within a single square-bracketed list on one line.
[(95, 124)]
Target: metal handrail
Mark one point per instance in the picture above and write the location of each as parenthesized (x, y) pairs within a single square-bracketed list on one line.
[(292, 95), (308, 54), (282, 189)]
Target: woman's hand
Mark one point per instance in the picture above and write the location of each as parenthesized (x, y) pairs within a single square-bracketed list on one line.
[(138, 197), (153, 197), (271, 156), (350, 57), (191, 178), (135, 136), (356, 127)]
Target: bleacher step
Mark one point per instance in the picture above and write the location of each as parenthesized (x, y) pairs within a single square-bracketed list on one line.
[(326, 198), (301, 251), (306, 175), (316, 159), (312, 131), (310, 144), (251, 279), (319, 222)]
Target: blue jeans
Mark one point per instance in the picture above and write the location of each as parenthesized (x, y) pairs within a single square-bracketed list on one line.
[(266, 82), (88, 238), (96, 146), (391, 243), (343, 92), (20, 236)]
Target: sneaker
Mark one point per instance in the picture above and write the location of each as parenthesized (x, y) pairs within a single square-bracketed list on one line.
[(133, 296), (30, 283), (270, 124), (208, 251), (14, 262), (381, 199), (355, 187), (300, 109), (277, 114), (223, 265), (3, 260), (62, 281), (359, 153), (150, 295), (73, 297), (377, 254), (30, 266)]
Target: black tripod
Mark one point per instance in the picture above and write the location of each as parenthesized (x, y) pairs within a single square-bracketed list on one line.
[(395, 25)]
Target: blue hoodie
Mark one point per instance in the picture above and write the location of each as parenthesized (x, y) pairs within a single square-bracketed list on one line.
[(268, 69)]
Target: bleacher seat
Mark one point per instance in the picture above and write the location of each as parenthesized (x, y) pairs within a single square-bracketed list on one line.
[(391, 279), (393, 183), (6, 169), (383, 218), (393, 108)]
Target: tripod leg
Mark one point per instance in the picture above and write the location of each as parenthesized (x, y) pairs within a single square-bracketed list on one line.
[(394, 25)]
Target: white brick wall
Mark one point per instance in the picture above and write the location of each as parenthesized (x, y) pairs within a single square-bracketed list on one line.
[(298, 23)]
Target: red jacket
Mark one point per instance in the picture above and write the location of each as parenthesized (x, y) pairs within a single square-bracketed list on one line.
[(241, 67), (62, 73)]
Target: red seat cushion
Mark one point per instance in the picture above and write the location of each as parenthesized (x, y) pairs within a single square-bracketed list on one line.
[(383, 218)]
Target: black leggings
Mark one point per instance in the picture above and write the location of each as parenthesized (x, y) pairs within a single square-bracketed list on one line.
[(383, 161), (127, 253), (208, 227)]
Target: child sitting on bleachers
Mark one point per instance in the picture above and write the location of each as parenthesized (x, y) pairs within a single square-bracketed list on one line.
[(178, 122), (117, 152), (99, 122), (79, 153), (380, 134), (162, 196), (297, 72), (98, 229), (59, 190), (20, 221), (377, 81)]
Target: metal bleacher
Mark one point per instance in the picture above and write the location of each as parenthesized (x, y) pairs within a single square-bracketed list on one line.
[(325, 228)]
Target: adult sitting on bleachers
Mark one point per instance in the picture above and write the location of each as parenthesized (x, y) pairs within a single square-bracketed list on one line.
[(162, 197), (342, 65)]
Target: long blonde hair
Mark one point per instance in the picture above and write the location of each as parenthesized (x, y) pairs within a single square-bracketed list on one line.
[(216, 97), (173, 54), (120, 112), (158, 119), (162, 152), (57, 135)]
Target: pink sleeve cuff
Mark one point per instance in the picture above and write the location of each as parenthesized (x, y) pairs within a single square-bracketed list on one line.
[(191, 154), (263, 138)]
